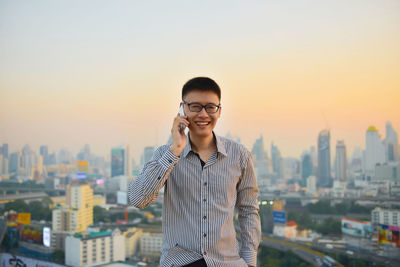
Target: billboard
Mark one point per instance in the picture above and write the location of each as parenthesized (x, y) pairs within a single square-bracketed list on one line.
[(279, 217), (117, 162), (388, 234), (81, 175), (278, 205), (83, 166), (24, 218), (46, 236), (8, 260), (356, 228), (32, 234)]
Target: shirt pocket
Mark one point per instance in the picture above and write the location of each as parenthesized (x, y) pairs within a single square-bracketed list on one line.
[(223, 184)]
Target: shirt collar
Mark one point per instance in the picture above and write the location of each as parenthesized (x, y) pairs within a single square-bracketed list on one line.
[(218, 140)]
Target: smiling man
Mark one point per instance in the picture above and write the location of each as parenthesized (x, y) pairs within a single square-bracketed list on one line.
[(205, 177)]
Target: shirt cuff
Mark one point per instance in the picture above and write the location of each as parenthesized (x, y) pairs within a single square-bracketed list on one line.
[(250, 257), (168, 159)]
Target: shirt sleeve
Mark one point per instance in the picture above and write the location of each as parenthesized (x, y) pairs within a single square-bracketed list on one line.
[(249, 219), (144, 189)]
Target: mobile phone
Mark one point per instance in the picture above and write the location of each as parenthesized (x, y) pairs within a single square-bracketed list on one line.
[(181, 113)]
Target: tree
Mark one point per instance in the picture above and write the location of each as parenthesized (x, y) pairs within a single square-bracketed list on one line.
[(17, 205), (59, 256)]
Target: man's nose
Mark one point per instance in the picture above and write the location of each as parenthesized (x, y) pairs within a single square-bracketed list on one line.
[(203, 112)]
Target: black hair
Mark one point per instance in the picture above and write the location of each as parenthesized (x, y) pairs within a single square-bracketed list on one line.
[(201, 84)]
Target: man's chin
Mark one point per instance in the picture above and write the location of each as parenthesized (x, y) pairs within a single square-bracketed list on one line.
[(201, 133)]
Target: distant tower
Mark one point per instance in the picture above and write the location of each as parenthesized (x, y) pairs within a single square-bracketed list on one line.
[(147, 155), (276, 161), (324, 160), (340, 162), (121, 163), (258, 149), (374, 150), (391, 144), (44, 151), (306, 167)]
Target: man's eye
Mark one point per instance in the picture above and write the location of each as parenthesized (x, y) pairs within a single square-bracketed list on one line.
[(196, 106)]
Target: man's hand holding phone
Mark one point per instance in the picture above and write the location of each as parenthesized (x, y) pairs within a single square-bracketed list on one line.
[(179, 138)]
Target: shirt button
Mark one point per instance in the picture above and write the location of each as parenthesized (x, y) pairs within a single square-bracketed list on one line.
[(205, 183), (204, 234), (170, 161), (159, 177), (204, 200), (204, 253), (205, 217)]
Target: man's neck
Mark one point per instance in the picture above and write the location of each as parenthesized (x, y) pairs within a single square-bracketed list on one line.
[(201, 144)]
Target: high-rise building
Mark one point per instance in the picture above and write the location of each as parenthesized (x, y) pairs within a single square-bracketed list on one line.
[(1, 164), (324, 178), (44, 152), (80, 197), (4, 159), (391, 144), (78, 214), (27, 161), (277, 163), (147, 155), (306, 167), (374, 150), (94, 248), (15, 162), (121, 163), (385, 216), (5, 150), (258, 150), (311, 185), (340, 161)]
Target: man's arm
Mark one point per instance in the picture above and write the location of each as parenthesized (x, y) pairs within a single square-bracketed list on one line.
[(143, 190), (249, 219)]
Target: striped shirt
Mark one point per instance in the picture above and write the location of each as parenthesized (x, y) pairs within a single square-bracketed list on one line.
[(199, 204)]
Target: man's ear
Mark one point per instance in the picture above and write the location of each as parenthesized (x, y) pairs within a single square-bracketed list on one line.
[(219, 112)]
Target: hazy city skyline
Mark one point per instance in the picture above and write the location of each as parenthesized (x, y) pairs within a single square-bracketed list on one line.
[(107, 73)]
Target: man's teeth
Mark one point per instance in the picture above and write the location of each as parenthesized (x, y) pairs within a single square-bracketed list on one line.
[(202, 123)]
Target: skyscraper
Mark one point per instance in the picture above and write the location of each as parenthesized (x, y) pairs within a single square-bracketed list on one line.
[(306, 167), (391, 144), (277, 163), (374, 150), (121, 161), (5, 150), (4, 159), (44, 152), (147, 155), (340, 161), (324, 160), (258, 149), (15, 162), (78, 214)]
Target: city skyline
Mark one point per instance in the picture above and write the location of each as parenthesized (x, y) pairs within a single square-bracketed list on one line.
[(106, 74)]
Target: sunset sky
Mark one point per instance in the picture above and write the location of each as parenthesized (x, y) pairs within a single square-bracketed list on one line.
[(111, 72)]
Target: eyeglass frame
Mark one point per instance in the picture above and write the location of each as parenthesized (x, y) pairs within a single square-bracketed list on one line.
[(202, 106)]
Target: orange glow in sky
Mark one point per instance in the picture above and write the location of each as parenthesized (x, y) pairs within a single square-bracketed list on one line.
[(72, 74)]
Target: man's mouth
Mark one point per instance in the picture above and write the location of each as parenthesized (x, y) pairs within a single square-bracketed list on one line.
[(202, 123)]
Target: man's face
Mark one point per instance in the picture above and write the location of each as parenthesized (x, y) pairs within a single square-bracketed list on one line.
[(201, 123)]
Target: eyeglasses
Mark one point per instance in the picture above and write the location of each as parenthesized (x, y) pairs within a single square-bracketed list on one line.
[(197, 107)]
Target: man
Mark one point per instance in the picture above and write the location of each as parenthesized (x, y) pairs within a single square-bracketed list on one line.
[(205, 177)]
